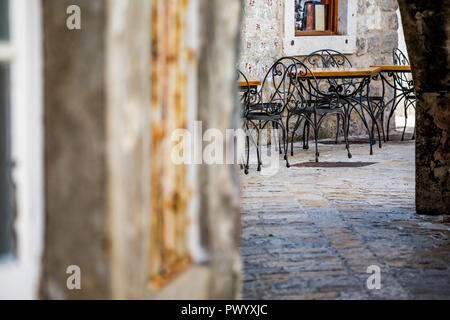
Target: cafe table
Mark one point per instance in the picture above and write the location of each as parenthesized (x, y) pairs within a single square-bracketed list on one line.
[(253, 84), (348, 72)]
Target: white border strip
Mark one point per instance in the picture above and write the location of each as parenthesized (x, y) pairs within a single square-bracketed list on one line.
[(19, 278)]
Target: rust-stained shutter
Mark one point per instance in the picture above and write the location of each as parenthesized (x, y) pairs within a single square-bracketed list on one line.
[(169, 190)]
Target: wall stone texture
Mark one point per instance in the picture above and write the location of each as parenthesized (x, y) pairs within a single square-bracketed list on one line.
[(261, 36), (427, 34), (263, 32)]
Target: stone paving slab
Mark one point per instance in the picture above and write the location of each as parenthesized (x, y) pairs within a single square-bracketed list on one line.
[(311, 233)]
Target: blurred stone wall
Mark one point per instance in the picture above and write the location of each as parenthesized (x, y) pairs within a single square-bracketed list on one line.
[(263, 32), (219, 204), (75, 152), (116, 204)]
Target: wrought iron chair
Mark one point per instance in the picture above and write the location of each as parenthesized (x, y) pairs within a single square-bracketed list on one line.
[(327, 58), (247, 97), (246, 92), (312, 104), (403, 90), (267, 105)]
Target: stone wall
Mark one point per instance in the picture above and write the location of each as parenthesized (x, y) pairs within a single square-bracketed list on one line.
[(377, 26), (261, 36), (263, 32)]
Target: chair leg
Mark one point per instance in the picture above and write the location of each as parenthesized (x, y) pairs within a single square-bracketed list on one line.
[(287, 130), (297, 124), (394, 107), (347, 143), (338, 128), (378, 132), (273, 142), (248, 154), (371, 130), (292, 137), (292, 143), (316, 137), (306, 135), (285, 144), (374, 119), (317, 143), (348, 126), (382, 123), (371, 142), (258, 149), (406, 121), (374, 125)]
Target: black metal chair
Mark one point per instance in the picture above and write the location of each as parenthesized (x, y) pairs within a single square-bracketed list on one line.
[(312, 104), (267, 105), (328, 58), (247, 92), (247, 97), (403, 90)]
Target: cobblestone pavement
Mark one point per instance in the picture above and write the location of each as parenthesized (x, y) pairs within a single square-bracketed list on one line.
[(311, 233)]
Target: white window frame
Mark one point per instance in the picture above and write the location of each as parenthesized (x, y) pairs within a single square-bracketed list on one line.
[(20, 273), (344, 42)]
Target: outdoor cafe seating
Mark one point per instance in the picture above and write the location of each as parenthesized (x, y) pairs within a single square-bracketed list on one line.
[(301, 94)]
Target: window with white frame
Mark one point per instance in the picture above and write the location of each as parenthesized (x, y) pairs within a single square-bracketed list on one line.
[(316, 18), (21, 148), (320, 24)]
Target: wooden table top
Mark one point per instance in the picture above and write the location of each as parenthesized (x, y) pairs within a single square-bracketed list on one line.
[(251, 83), (393, 68), (353, 72)]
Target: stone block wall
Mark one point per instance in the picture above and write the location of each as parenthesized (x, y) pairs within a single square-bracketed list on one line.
[(263, 32), (377, 36), (261, 36)]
